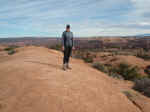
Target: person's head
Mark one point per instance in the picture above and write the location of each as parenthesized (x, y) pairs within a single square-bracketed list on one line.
[(68, 27)]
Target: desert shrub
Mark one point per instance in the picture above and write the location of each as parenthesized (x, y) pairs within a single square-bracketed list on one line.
[(94, 56), (147, 70), (11, 52), (103, 56), (88, 59), (142, 54), (114, 59), (129, 94), (143, 86), (123, 71), (108, 69), (78, 54), (145, 56), (56, 47), (113, 72), (12, 47), (8, 49), (115, 75), (116, 52), (128, 72), (118, 47), (87, 54), (100, 67), (146, 49)]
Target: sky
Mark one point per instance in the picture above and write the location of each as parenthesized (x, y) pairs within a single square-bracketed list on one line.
[(48, 18)]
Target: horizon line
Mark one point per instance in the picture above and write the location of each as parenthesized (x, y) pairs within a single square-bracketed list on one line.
[(74, 36)]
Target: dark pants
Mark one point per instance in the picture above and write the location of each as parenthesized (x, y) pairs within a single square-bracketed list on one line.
[(67, 54)]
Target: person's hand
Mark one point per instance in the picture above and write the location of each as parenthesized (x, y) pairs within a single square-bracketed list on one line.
[(63, 48), (73, 48)]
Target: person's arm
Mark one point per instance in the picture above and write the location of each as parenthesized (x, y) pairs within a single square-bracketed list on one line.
[(63, 41), (73, 41)]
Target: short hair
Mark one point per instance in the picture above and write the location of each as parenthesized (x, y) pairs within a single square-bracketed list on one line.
[(68, 26)]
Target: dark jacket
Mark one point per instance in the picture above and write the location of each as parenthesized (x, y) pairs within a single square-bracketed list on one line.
[(67, 39)]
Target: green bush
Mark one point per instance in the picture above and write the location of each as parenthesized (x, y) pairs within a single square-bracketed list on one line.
[(115, 75), (147, 70), (56, 47), (144, 56), (78, 54), (11, 52), (8, 49), (88, 59), (143, 86), (128, 72), (108, 69), (11, 49), (123, 71), (113, 72), (100, 67)]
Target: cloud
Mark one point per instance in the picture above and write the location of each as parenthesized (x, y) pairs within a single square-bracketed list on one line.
[(87, 18)]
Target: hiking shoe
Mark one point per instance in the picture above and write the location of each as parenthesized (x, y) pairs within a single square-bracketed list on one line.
[(64, 67), (68, 67)]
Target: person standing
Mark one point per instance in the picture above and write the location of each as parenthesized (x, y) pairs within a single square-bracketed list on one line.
[(67, 46)]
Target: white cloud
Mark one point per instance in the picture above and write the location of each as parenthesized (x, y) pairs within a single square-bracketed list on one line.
[(90, 17)]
